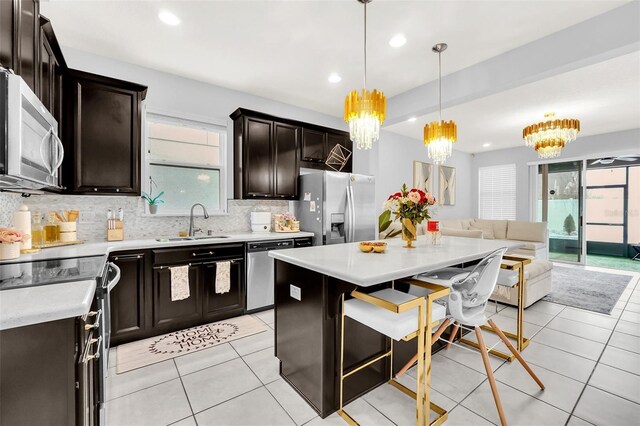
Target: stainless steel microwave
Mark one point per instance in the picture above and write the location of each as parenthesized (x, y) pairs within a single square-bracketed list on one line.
[(31, 152)]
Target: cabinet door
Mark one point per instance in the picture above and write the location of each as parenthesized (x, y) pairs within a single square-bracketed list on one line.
[(313, 145), (105, 127), (6, 34), (221, 305), (128, 319), (286, 161), (26, 52), (168, 313), (47, 59), (342, 139), (258, 170)]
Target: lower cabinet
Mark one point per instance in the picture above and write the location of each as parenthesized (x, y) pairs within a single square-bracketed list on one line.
[(142, 305), (49, 375)]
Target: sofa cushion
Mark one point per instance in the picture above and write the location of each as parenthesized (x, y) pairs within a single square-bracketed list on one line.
[(531, 245), (526, 231), (451, 224), (509, 278), (500, 229), (486, 228), (454, 232)]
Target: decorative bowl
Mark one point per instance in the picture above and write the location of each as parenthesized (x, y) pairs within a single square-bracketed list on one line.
[(373, 246)]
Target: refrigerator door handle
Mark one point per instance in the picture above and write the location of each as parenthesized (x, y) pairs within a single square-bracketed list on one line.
[(352, 214), (347, 225)]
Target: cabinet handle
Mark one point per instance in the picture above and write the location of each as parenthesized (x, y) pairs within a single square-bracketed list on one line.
[(117, 189), (202, 254), (96, 354), (96, 324), (130, 256), (95, 189)]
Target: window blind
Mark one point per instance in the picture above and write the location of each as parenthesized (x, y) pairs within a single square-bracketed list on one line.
[(497, 192)]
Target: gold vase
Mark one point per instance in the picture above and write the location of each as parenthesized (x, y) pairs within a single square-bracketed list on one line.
[(409, 232)]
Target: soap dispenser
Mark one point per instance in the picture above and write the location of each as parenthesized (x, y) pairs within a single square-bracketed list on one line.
[(22, 222)]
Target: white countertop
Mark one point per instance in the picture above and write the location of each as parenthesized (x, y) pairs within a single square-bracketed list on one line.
[(33, 305), (348, 263), (105, 247)]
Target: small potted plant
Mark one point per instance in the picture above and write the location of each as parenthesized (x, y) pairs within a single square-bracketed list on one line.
[(153, 201), (10, 241)]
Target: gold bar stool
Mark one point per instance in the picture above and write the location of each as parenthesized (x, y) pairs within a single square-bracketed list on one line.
[(399, 316)]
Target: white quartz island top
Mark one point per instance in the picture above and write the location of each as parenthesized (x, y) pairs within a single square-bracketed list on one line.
[(33, 305), (348, 263)]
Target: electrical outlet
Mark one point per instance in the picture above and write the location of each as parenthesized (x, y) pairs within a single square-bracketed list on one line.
[(295, 292)]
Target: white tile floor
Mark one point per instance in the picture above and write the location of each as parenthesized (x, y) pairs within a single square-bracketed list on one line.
[(589, 362)]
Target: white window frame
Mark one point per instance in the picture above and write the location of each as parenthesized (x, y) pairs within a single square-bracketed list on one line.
[(178, 119), (515, 195)]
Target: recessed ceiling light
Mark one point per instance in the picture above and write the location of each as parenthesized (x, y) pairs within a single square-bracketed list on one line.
[(398, 40), (334, 77), (412, 119), (486, 145), (168, 18)]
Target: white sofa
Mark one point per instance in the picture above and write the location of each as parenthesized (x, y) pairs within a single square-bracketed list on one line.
[(534, 235)]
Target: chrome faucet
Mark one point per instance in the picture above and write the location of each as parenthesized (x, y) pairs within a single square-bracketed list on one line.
[(206, 216)]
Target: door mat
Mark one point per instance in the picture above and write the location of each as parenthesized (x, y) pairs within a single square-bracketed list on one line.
[(590, 290), (160, 348)]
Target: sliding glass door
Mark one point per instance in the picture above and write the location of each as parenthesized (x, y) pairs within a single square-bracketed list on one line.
[(560, 205)]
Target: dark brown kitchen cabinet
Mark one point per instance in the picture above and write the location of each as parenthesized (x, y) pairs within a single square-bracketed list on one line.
[(313, 145), (48, 374), (258, 158), (20, 39), (176, 314), (217, 306), (285, 158), (102, 134), (52, 68), (129, 304)]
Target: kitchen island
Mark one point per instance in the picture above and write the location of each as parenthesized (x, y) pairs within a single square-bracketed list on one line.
[(309, 285)]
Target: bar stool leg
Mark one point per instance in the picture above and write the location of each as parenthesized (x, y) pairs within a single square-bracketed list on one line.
[(492, 380), (435, 337), (351, 421), (456, 327), (420, 394)]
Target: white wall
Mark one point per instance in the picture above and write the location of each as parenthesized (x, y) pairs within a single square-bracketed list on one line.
[(608, 144), (395, 156)]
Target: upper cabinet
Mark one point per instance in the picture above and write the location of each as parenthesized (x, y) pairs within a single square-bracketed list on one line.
[(52, 69), (20, 39), (269, 152), (102, 134)]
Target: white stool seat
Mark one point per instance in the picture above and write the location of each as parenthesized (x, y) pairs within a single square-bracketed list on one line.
[(386, 322), (444, 277)]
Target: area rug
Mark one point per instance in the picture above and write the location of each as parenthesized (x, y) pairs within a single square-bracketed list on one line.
[(590, 290), (160, 348)]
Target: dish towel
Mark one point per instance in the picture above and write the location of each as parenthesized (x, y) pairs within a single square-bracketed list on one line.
[(179, 282), (223, 277)]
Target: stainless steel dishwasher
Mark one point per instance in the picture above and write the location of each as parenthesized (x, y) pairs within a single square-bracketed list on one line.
[(260, 273)]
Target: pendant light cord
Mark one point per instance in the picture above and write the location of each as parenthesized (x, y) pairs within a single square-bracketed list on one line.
[(365, 45), (440, 84)]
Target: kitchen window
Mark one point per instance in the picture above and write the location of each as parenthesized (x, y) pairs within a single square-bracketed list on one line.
[(187, 160), (497, 192)]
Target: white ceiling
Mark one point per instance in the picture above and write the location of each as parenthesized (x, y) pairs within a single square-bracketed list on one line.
[(605, 97), (285, 50)]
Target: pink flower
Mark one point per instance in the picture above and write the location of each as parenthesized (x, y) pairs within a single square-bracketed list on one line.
[(414, 196), (12, 235), (431, 200)]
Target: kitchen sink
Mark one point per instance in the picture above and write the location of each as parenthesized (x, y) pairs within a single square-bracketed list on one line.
[(203, 237)]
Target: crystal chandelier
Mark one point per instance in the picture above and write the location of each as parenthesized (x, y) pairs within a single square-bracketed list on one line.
[(440, 135), (549, 137), (365, 111)]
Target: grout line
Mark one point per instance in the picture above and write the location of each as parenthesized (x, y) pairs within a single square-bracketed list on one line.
[(177, 421), (601, 353), (183, 388)]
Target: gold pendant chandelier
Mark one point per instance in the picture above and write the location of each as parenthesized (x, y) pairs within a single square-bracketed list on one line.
[(439, 136), (365, 111), (549, 137)]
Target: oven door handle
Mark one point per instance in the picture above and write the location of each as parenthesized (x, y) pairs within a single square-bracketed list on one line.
[(113, 281)]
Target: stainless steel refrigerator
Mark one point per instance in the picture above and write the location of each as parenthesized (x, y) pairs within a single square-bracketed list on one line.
[(337, 207)]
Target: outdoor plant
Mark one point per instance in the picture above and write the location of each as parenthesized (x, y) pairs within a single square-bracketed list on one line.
[(569, 225)]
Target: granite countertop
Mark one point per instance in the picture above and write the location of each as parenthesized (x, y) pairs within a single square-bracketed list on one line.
[(348, 263), (33, 305)]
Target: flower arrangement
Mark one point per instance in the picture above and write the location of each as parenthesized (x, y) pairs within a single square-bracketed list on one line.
[(286, 222), (412, 204), (10, 241), (12, 235)]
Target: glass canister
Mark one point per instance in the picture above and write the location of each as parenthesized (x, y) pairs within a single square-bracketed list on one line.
[(37, 230), (51, 229)]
